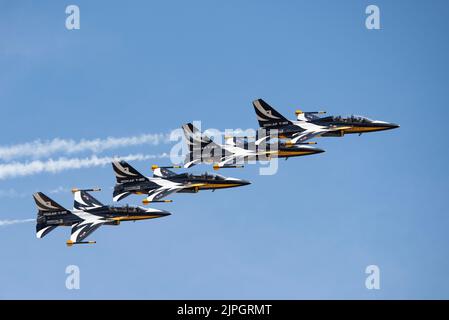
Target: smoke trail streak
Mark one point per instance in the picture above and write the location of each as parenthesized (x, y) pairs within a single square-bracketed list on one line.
[(11, 193), (18, 169), (39, 149), (4, 223)]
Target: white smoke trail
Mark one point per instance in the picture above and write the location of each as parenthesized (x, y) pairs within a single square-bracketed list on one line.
[(13, 193), (10, 193), (4, 223), (17, 169), (39, 149)]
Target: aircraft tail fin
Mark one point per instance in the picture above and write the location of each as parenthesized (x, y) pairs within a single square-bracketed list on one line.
[(267, 116), (200, 147), (124, 172), (194, 137), (47, 208)]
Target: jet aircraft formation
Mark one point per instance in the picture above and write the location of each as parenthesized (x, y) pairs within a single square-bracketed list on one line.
[(277, 137)]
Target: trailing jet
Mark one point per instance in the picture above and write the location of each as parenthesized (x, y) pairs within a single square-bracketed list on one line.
[(88, 215), (310, 124), (165, 182), (238, 150)]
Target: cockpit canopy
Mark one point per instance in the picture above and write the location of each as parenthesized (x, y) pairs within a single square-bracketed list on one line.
[(127, 209), (184, 176), (348, 119), (209, 176), (203, 176)]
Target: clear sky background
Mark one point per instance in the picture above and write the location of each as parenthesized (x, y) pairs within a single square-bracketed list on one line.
[(307, 232)]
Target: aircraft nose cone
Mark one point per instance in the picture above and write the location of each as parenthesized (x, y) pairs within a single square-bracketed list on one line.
[(394, 125), (304, 149), (238, 182), (244, 182), (389, 126), (315, 150), (160, 213), (164, 213)]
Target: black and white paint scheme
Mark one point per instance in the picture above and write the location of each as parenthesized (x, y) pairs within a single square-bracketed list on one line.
[(235, 151), (88, 215), (309, 125), (165, 182)]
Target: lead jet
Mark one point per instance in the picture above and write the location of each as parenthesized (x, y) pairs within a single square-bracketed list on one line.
[(238, 150), (309, 124), (165, 182), (88, 215)]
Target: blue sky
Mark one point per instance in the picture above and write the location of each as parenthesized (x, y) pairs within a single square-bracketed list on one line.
[(307, 232)]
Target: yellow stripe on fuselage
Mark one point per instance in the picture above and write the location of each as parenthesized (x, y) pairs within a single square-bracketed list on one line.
[(293, 153), (363, 129), (127, 218), (218, 185)]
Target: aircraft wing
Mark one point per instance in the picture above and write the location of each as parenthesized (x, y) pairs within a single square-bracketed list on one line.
[(233, 157), (188, 164), (84, 228), (310, 134), (159, 193), (305, 135)]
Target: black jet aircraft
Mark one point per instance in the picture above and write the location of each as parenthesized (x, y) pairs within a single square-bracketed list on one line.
[(238, 150), (165, 182), (310, 124), (87, 215)]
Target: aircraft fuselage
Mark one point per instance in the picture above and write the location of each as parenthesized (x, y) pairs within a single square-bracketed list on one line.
[(349, 125), (193, 183), (109, 213)]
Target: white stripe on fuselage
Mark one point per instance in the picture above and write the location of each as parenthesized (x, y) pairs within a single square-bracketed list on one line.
[(310, 126), (87, 217), (165, 183)]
